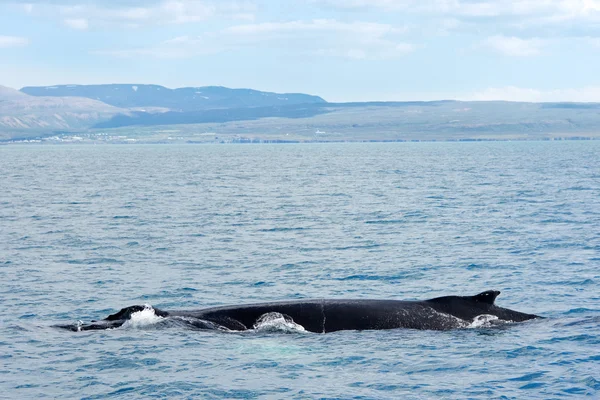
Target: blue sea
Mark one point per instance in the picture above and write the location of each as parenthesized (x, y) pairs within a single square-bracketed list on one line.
[(88, 230)]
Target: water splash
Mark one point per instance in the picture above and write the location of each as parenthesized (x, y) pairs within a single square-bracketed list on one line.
[(144, 318)]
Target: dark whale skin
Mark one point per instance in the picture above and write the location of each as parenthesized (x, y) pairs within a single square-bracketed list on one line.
[(330, 315)]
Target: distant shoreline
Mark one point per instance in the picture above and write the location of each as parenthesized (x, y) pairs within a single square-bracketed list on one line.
[(44, 142)]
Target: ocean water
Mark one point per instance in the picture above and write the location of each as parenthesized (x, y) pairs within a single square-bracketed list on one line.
[(87, 230)]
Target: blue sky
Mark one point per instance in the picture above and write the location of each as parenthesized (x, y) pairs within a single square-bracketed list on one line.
[(342, 50)]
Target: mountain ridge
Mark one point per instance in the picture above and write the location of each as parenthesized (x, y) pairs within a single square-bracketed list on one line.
[(268, 115), (178, 99), (21, 113)]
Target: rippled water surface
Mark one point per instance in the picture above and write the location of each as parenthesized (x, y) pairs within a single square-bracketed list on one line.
[(87, 230)]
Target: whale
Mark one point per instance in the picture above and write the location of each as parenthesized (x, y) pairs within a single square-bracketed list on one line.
[(330, 315)]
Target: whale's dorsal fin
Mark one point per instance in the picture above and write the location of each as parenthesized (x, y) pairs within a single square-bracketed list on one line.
[(487, 297)]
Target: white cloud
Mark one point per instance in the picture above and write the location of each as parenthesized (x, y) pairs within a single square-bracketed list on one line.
[(178, 47), (317, 25), (321, 37), (187, 11), (586, 94), (77, 23), (13, 41), (473, 8), (553, 18), (514, 46), (513, 93), (326, 37), (594, 41), (139, 13)]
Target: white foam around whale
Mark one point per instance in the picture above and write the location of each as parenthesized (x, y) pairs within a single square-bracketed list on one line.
[(484, 321), (276, 322), (144, 318)]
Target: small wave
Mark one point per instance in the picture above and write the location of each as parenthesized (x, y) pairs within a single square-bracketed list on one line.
[(580, 310), (91, 261), (386, 221), (263, 283), (585, 320), (366, 277), (277, 322), (281, 229), (144, 318), (360, 246)]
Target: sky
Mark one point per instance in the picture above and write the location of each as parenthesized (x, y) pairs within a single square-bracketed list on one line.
[(342, 50)]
